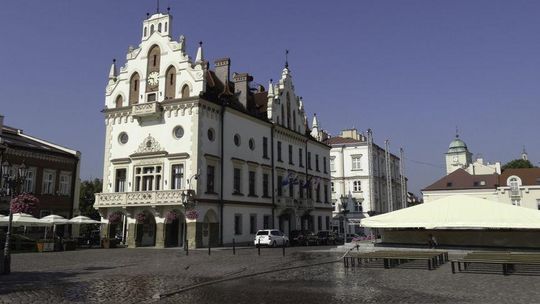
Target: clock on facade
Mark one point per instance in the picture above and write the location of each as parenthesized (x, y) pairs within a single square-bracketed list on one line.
[(153, 79), (455, 159)]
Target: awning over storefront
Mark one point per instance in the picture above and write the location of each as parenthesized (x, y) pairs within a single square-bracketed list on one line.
[(458, 212)]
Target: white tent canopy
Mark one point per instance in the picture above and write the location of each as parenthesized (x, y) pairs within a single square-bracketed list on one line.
[(55, 219), (458, 212), (83, 220), (23, 219)]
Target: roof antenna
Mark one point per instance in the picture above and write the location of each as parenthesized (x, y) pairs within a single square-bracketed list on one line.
[(287, 58)]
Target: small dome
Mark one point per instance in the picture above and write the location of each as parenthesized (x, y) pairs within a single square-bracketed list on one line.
[(457, 145)]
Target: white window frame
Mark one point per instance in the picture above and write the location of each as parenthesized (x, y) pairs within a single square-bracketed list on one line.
[(48, 181), (124, 188), (357, 186), (356, 162), (30, 180), (142, 175), (182, 178), (64, 186), (332, 164)]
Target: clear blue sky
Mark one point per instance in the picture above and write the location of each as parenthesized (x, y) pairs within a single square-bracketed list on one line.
[(410, 70)]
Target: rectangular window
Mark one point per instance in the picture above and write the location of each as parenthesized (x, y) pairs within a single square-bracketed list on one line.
[(309, 160), (332, 184), (317, 162), (357, 186), (279, 151), (252, 223), (324, 165), (318, 193), (327, 223), (309, 191), (210, 178), (266, 222), (301, 189), (290, 155), (48, 182), (538, 203), (332, 164), (319, 222), (65, 184), (120, 180), (238, 224), (356, 162), (325, 194), (148, 178), (265, 147), (252, 183), (291, 188), (300, 157), (279, 185), (29, 181), (265, 184), (237, 181), (177, 177)]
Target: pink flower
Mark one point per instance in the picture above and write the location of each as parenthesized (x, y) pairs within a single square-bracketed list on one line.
[(24, 203), (115, 217), (141, 217), (192, 214), (171, 216)]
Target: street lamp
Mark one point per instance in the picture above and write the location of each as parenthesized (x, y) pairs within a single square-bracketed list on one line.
[(11, 185), (344, 212)]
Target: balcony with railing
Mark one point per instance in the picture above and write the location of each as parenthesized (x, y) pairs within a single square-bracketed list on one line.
[(143, 110), (133, 199)]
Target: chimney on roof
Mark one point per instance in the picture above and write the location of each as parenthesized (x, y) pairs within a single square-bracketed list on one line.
[(222, 69), (241, 87)]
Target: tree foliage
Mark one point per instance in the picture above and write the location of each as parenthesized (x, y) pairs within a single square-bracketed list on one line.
[(87, 197), (517, 164)]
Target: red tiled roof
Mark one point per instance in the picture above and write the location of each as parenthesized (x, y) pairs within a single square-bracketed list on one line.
[(461, 179), (528, 176), (341, 140)]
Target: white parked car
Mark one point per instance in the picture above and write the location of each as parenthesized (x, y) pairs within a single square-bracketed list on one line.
[(270, 237)]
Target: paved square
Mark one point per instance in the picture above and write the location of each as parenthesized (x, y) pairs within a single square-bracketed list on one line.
[(168, 276)]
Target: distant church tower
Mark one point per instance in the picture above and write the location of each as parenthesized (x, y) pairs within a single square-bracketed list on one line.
[(458, 156), (524, 155)]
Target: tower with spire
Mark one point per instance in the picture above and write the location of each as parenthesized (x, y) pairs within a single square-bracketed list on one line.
[(458, 155), (183, 140)]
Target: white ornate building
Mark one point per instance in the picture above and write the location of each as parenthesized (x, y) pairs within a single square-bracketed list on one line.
[(195, 154), (366, 180)]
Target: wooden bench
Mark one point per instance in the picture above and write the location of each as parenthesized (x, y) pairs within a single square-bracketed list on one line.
[(506, 259), (393, 258)]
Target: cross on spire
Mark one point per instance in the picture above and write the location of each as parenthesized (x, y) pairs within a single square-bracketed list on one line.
[(286, 58)]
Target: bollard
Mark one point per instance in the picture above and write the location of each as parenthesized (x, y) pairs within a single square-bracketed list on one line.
[(259, 247), (209, 247), (233, 247), (187, 248)]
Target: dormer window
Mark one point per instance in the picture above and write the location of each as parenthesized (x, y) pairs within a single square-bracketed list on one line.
[(159, 28), (514, 183)]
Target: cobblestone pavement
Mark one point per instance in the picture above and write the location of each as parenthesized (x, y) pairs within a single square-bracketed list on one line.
[(168, 276)]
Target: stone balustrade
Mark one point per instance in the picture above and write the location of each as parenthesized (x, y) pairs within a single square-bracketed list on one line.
[(131, 199)]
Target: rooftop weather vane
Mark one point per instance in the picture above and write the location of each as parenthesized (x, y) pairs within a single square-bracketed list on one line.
[(457, 132)]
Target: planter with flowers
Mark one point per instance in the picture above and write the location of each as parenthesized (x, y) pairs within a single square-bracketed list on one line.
[(171, 216), (192, 214), (140, 217), (24, 203)]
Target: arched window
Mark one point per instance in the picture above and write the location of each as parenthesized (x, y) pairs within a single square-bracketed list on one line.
[(119, 101), (145, 31), (152, 66), (151, 29), (159, 28), (134, 88), (170, 85), (166, 26), (185, 91)]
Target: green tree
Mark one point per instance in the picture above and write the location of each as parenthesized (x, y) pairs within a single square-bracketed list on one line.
[(87, 197), (517, 164)]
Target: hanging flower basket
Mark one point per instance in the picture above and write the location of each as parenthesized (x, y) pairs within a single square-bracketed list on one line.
[(192, 214), (115, 218), (24, 203), (141, 217), (171, 216)]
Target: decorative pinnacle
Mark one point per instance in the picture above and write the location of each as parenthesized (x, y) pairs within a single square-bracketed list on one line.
[(457, 132), (286, 58), (200, 43)]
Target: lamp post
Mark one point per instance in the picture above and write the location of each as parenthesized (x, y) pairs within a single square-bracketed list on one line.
[(344, 212), (12, 184)]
